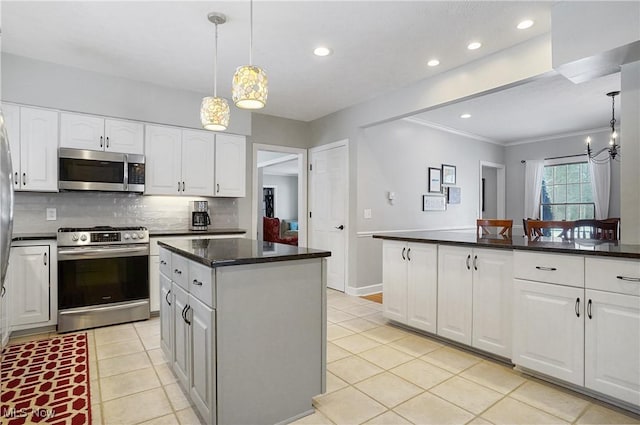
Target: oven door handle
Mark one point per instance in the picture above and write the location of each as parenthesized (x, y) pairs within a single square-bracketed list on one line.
[(102, 252)]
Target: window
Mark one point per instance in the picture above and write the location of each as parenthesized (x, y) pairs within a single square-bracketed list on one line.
[(566, 192)]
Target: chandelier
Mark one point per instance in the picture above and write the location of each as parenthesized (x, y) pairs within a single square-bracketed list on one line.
[(613, 149)]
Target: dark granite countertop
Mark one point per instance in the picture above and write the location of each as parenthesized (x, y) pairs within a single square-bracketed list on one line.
[(33, 236), (545, 244), (237, 251), (184, 232)]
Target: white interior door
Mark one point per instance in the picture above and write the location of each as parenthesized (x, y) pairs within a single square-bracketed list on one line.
[(328, 219)]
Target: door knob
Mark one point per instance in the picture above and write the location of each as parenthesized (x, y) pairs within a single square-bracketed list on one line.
[(341, 227)]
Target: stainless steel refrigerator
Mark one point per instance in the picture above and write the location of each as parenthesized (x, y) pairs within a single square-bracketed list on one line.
[(6, 205)]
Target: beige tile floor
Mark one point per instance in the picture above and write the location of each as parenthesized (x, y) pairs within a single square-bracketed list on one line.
[(376, 374)]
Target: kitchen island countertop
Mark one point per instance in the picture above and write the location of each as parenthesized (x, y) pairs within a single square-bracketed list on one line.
[(237, 251), (545, 244)]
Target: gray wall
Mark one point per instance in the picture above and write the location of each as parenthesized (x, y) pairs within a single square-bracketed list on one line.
[(395, 157), (490, 176), (286, 195), (570, 145)]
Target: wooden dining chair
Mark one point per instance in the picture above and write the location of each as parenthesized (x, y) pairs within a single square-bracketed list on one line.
[(484, 227), (597, 229), (535, 228)]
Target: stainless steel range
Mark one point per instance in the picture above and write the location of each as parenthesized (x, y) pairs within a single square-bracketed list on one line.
[(103, 276)]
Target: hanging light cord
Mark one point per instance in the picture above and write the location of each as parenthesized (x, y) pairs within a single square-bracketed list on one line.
[(215, 65), (613, 115), (250, 32)]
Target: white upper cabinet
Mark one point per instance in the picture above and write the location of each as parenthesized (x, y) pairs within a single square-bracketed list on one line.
[(38, 169), (230, 168), (163, 168), (97, 133), (197, 159), (11, 115)]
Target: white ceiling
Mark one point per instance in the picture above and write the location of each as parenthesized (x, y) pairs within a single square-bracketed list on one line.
[(287, 168), (378, 46)]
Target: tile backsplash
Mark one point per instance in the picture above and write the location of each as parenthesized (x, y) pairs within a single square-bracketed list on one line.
[(86, 209)]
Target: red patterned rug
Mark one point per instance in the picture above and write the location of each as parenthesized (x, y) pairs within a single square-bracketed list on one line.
[(46, 382)]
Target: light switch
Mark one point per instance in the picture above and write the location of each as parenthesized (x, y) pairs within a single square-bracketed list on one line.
[(367, 213), (51, 214)]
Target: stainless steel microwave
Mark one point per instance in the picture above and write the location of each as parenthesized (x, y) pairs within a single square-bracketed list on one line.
[(80, 169)]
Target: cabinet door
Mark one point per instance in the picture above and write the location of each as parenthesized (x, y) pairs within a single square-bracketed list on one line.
[(81, 131), (231, 163), (166, 318), (5, 330), (492, 298), (124, 136), (198, 149), (454, 293), (11, 115), (394, 281), (181, 341), (422, 286), (612, 345), (154, 283), (30, 275), (203, 349), (39, 149), (163, 151), (548, 329)]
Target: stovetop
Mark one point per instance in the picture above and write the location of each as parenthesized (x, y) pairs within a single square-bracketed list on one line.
[(102, 235)]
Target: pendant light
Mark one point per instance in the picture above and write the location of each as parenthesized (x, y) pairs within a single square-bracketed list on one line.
[(250, 89), (613, 149), (214, 111)]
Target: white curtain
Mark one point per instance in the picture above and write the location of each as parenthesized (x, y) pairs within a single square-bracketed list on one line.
[(601, 187), (534, 170)]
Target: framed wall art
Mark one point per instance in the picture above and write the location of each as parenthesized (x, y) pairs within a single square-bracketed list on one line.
[(435, 180), (448, 174), (434, 203)]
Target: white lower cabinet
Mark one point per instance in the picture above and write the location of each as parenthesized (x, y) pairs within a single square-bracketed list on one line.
[(167, 330), (29, 269), (548, 332), (4, 315), (474, 297), (410, 283), (202, 379), (181, 339), (612, 345)]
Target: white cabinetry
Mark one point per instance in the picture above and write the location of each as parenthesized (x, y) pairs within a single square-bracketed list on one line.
[(410, 283), (97, 133), (194, 163), (230, 166), (166, 317), (5, 329), (474, 296), (33, 137), (30, 268)]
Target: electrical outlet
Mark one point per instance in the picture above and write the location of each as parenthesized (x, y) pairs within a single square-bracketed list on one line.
[(51, 214), (367, 213)]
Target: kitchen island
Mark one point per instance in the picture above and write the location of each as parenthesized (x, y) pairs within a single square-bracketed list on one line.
[(564, 310), (243, 325)]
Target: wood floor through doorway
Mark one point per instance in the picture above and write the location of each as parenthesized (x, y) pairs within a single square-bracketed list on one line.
[(374, 297)]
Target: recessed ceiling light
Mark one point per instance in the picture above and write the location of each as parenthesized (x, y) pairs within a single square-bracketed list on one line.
[(475, 45), (433, 62), (465, 116), (527, 23), (322, 51)]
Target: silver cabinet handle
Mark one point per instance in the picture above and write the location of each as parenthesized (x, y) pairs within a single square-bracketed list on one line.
[(24, 179), (164, 263), (629, 279), (589, 315), (45, 258), (178, 186), (577, 307), (475, 262), (546, 269), (4, 291), (176, 271), (15, 180), (166, 297), (183, 186), (217, 187), (403, 251), (101, 139), (468, 258), (409, 254), (107, 141), (197, 282)]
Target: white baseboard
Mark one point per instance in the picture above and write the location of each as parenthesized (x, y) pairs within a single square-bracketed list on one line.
[(364, 290)]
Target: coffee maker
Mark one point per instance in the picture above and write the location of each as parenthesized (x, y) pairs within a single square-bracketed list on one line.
[(200, 219)]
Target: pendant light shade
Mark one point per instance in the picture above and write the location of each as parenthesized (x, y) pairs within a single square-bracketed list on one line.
[(250, 85), (214, 111)]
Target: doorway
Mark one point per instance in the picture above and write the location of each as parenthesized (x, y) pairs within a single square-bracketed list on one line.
[(280, 190), (328, 205), (492, 190)]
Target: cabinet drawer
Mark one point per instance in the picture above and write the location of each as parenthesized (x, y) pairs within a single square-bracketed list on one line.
[(165, 262), (180, 271), (551, 268), (201, 283), (621, 276)]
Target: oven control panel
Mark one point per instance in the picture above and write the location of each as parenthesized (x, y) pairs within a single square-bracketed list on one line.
[(103, 236)]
